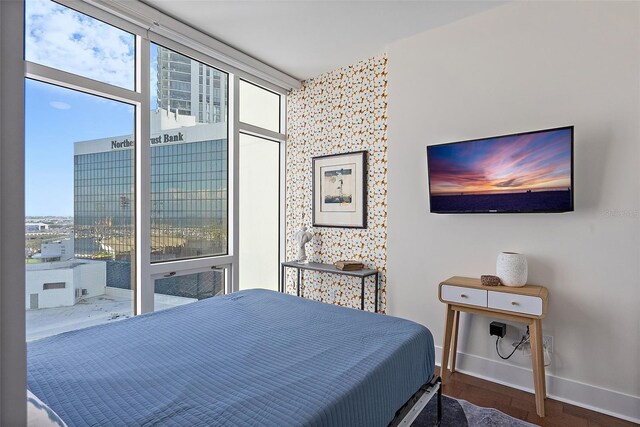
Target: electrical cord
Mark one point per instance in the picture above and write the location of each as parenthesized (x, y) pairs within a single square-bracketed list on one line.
[(514, 350)]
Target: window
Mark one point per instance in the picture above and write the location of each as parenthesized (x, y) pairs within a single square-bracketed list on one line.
[(57, 285), (62, 38), (259, 107), (172, 290), (133, 218), (259, 212), (79, 182), (260, 151), (189, 173)]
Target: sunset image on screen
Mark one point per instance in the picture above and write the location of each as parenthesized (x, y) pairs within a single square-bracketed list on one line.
[(531, 163)]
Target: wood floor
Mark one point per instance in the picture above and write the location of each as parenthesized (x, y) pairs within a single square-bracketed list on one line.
[(520, 404)]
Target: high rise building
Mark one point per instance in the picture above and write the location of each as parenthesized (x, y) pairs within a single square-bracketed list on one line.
[(188, 196), (191, 88)]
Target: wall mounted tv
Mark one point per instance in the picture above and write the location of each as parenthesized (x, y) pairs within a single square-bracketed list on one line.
[(520, 173)]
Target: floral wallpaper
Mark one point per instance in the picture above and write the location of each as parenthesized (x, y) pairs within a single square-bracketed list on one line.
[(338, 112)]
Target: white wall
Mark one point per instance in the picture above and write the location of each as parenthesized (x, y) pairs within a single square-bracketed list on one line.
[(92, 276), (51, 297), (520, 67), (86, 274)]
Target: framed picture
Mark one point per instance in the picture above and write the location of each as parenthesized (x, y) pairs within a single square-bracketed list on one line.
[(340, 190)]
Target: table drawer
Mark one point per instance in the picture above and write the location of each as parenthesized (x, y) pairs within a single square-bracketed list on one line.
[(516, 303), (464, 295)]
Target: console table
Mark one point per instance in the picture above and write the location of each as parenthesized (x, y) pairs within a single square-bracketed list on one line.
[(527, 304), (330, 268)]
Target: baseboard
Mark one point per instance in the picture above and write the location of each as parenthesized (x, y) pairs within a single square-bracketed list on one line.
[(587, 396)]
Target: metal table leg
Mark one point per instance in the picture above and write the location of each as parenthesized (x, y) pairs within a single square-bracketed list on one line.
[(376, 295), (362, 294), (281, 284), (298, 288)]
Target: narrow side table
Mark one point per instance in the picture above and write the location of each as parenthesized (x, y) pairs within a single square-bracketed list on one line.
[(527, 304), (330, 268)]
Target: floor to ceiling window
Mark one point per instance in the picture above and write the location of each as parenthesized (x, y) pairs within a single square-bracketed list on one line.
[(189, 172), (260, 175), (143, 189), (79, 173), (259, 209)]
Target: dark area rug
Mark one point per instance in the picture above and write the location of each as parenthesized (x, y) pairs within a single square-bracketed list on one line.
[(460, 413)]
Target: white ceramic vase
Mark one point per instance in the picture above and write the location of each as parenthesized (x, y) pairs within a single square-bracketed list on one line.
[(512, 269)]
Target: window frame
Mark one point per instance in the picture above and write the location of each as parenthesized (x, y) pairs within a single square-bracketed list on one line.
[(145, 272), (281, 139)]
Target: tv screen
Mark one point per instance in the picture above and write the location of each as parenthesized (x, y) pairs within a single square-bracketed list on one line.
[(524, 172)]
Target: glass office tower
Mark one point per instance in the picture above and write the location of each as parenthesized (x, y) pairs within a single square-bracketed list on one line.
[(188, 198)]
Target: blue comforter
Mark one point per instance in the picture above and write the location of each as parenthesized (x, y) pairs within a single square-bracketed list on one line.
[(249, 358)]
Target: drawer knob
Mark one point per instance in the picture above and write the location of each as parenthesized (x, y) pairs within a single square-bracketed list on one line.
[(463, 295), (514, 303)]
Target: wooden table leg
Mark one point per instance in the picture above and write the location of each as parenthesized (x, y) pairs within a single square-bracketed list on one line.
[(537, 360), (454, 340), (446, 342)]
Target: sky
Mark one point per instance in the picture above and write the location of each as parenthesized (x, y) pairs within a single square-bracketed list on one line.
[(502, 165), (55, 118)]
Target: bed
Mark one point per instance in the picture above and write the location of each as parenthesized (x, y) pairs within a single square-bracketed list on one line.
[(253, 357)]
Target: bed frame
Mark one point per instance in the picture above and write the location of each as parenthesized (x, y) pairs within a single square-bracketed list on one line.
[(416, 403)]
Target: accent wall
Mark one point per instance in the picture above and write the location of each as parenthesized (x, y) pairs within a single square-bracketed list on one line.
[(339, 112)]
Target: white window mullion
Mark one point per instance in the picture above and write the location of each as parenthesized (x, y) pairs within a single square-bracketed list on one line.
[(283, 173), (261, 132), (83, 84), (234, 173), (179, 273), (162, 268), (144, 285)]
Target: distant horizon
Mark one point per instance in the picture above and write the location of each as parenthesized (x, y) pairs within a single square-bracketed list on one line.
[(478, 193)]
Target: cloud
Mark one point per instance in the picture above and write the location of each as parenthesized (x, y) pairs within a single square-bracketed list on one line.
[(540, 160), (62, 38), (58, 105)]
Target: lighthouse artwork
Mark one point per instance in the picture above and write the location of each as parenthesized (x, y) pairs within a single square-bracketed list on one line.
[(339, 190)]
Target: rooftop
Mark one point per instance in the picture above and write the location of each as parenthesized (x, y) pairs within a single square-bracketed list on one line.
[(89, 312)]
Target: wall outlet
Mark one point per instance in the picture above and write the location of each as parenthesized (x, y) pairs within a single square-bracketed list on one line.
[(547, 343)]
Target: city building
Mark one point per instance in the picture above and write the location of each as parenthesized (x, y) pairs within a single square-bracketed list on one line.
[(188, 215), (61, 250), (188, 197), (59, 284), (32, 227), (191, 88)]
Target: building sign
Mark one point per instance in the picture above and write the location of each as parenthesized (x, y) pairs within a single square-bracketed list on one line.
[(165, 136), (127, 143), (160, 139)]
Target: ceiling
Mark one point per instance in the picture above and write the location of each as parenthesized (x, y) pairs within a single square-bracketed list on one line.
[(306, 38)]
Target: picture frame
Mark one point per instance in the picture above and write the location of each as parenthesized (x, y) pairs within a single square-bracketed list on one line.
[(340, 190)]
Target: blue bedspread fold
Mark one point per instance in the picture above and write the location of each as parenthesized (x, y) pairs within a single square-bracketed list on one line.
[(249, 358)]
